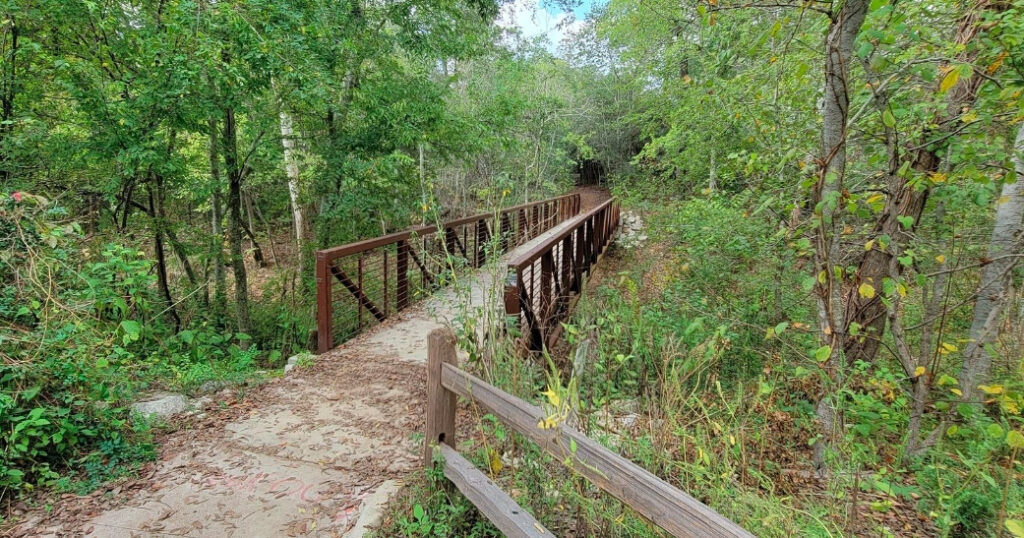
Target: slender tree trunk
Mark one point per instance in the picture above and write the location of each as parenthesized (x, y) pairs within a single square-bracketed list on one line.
[(1003, 248), (158, 248), (827, 192), (8, 91), (712, 174), (249, 229), (182, 255), (424, 198), (229, 141), (253, 206), (291, 164), (217, 233), (906, 200)]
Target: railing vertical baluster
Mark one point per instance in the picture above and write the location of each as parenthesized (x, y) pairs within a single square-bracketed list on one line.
[(359, 316), (521, 229), (402, 277), (565, 267), (591, 245), (547, 274), (385, 281), (577, 273), (449, 242)]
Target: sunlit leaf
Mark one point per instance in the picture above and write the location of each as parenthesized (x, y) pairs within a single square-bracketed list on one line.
[(991, 389), (949, 80)]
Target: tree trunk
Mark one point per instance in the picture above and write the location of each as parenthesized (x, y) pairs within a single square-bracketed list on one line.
[(180, 252), (257, 250), (158, 248), (217, 233), (826, 196), (7, 94), (291, 165), (253, 207), (229, 141), (1003, 248), (905, 200)]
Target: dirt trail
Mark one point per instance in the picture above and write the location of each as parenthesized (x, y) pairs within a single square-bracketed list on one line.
[(315, 453)]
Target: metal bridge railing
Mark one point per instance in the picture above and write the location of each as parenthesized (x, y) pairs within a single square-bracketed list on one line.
[(544, 280), (361, 284)]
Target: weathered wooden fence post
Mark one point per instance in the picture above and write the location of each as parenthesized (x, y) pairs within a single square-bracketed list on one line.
[(440, 426)]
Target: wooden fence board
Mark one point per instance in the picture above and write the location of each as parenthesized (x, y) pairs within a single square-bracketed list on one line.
[(510, 518), (652, 497)]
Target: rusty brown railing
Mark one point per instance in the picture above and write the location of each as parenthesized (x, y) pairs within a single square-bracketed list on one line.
[(381, 276), (544, 280)]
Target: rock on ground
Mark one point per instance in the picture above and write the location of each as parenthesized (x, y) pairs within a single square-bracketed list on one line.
[(161, 405)]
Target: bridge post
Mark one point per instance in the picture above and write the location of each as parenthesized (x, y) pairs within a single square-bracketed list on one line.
[(324, 338), (402, 280), (481, 243), (505, 229)]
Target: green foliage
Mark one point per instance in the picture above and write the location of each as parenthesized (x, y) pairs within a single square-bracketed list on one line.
[(434, 509), (86, 337)]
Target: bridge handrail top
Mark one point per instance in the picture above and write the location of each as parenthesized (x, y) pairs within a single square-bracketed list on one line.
[(530, 256), (367, 244)]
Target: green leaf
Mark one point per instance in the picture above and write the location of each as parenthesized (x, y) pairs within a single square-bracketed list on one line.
[(30, 393), (965, 410), (994, 431), (888, 119), (1015, 439), (780, 328), (1016, 527), (823, 353), (906, 221), (949, 80), (131, 329)]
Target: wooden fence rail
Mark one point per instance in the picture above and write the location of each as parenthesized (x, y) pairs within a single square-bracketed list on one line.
[(650, 496), (384, 275), (544, 280)]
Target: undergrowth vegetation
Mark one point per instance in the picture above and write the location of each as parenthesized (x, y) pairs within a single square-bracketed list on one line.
[(682, 358), (86, 336)]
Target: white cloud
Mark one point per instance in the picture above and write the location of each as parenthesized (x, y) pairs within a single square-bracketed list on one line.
[(533, 20)]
